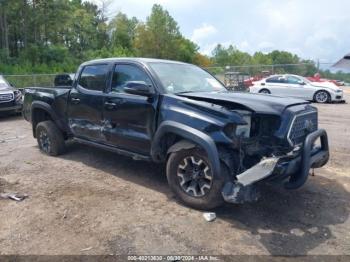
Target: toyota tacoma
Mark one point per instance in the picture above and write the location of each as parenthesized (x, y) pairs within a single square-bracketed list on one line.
[(217, 145)]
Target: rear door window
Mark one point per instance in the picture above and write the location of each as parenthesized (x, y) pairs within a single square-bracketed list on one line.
[(94, 77), (274, 79)]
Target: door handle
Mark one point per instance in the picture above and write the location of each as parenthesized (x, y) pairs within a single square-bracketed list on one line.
[(75, 100), (110, 105)]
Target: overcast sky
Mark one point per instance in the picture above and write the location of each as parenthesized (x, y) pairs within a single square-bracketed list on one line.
[(313, 29)]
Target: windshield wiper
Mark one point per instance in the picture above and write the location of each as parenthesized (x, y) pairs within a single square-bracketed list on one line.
[(185, 92)]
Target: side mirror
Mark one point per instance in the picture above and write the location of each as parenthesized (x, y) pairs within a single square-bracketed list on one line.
[(302, 83), (138, 88)]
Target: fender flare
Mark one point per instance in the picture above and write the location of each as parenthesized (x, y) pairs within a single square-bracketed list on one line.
[(183, 144), (192, 135), (48, 109), (44, 106)]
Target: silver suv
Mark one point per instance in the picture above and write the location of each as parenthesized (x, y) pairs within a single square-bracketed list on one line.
[(10, 97)]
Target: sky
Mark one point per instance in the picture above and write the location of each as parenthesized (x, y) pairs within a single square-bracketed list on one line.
[(312, 29)]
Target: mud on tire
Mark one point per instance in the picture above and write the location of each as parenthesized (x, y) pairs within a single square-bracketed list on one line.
[(50, 138)]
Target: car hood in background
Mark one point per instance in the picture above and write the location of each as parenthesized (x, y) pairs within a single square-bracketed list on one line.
[(4, 89), (259, 103)]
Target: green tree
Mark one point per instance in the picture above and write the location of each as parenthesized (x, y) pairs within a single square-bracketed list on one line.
[(260, 58), (160, 37), (122, 31), (230, 56)]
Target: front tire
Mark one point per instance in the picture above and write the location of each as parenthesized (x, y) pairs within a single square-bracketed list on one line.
[(190, 177), (50, 138), (322, 97)]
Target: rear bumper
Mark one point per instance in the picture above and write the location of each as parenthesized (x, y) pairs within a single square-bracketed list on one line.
[(292, 170)]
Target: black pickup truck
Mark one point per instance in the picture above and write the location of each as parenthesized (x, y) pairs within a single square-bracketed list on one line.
[(217, 145)]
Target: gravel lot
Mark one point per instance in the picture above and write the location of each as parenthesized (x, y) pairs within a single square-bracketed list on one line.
[(89, 201)]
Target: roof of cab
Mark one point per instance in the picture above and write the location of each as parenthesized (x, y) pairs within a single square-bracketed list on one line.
[(130, 59)]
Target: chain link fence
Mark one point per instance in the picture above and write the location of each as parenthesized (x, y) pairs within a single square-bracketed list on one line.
[(39, 80), (304, 69), (222, 73)]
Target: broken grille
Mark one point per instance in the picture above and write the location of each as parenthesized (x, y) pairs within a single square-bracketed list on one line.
[(302, 125), (6, 98)]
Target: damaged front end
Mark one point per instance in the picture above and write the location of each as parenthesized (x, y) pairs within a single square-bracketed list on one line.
[(274, 150)]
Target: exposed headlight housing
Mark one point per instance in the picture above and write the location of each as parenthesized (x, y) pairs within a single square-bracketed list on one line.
[(232, 130), (244, 130)]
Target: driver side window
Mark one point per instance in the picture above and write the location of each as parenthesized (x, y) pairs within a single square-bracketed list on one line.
[(125, 73)]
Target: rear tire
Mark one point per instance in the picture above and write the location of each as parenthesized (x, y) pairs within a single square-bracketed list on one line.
[(50, 138), (190, 177), (322, 97), (265, 91)]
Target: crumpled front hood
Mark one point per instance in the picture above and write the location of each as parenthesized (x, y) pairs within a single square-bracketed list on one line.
[(259, 103)]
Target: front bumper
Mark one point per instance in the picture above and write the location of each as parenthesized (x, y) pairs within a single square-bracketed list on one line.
[(338, 97), (297, 169), (291, 169), (12, 106)]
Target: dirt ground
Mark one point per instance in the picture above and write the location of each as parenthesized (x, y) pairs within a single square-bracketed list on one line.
[(89, 201)]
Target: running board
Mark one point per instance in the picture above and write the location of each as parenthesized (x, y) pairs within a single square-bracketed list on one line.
[(133, 155)]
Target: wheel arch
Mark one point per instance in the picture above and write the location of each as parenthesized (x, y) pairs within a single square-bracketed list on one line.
[(41, 111), (264, 88), (185, 137)]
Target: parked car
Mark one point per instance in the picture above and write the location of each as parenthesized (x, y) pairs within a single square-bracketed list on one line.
[(298, 87), (340, 82), (10, 98), (217, 145)]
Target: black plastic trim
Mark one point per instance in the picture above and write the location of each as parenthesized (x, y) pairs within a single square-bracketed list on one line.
[(199, 138), (310, 160)]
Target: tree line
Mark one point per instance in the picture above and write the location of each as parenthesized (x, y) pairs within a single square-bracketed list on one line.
[(51, 36)]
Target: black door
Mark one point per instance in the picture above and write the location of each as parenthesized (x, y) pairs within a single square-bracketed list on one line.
[(85, 104), (129, 119)]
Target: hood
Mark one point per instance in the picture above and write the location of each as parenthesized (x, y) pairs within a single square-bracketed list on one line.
[(5, 89), (326, 84), (259, 103)]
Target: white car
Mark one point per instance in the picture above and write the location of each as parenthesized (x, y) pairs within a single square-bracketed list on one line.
[(300, 87)]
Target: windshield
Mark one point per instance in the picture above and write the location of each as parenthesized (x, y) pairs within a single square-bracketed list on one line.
[(185, 78), (3, 83), (305, 80)]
